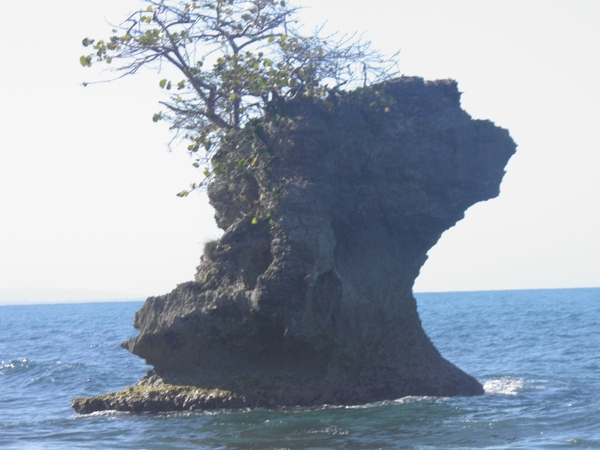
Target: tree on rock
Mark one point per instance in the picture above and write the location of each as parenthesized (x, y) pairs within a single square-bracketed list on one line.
[(232, 59)]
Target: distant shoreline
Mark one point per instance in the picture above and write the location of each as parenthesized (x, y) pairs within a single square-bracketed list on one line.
[(69, 302), (54, 296), (6, 300)]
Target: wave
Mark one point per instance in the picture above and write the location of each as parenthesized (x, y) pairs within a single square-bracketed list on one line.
[(504, 386)]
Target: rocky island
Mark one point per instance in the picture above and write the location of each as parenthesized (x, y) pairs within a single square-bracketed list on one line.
[(329, 207)]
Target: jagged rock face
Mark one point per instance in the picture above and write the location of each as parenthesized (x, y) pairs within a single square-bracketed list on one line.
[(329, 209)]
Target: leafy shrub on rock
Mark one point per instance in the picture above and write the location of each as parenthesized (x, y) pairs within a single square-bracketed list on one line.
[(232, 58)]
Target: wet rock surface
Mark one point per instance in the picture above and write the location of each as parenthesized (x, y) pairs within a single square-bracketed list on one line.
[(329, 209)]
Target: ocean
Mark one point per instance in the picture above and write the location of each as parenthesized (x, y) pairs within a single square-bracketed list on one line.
[(537, 353)]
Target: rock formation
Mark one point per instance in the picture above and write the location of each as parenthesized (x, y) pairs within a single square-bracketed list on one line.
[(329, 208)]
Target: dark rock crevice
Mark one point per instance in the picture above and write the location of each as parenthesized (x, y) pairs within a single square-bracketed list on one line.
[(307, 297)]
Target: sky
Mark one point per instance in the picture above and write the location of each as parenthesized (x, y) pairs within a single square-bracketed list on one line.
[(88, 209)]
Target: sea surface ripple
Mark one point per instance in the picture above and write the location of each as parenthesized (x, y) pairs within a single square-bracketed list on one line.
[(536, 352)]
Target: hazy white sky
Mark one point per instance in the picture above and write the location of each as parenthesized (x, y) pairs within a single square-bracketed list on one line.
[(87, 187)]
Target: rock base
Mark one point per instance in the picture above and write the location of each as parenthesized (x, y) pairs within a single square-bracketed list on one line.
[(151, 394)]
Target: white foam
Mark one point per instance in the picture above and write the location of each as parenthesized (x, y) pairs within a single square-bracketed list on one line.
[(504, 386), (109, 412)]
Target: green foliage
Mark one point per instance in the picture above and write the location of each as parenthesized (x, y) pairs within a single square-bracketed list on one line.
[(234, 59)]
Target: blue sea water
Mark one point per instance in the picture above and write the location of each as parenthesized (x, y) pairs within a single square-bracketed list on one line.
[(537, 353)]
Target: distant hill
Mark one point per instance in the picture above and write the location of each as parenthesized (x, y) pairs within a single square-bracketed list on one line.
[(34, 296)]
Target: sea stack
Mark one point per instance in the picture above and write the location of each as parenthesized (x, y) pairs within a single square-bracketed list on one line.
[(329, 208)]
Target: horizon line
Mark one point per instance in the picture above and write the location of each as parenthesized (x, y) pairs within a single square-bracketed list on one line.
[(128, 299)]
